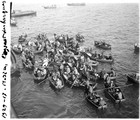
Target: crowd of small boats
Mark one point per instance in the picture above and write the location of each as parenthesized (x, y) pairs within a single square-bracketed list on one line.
[(64, 63)]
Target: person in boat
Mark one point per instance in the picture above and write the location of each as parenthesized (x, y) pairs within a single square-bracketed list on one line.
[(101, 102), (95, 74), (90, 89), (95, 54), (59, 83), (112, 73), (103, 43), (82, 68), (112, 87), (45, 62), (39, 74), (102, 55), (56, 77), (110, 57), (89, 69), (102, 73), (118, 94), (105, 76), (39, 46), (19, 47), (107, 81), (67, 72)]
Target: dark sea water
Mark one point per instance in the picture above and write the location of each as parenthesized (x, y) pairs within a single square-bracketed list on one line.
[(117, 24)]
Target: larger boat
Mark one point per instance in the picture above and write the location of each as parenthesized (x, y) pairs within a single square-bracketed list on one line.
[(19, 13), (76, 4), (50, 7)]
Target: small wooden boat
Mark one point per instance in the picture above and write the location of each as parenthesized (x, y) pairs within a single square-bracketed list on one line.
[(133, 78), (57, 85), (111, 95), (28, 65), (104, 60), (17, 48), (41, 77), (102, 45), (95, 102), (93, 63), (79, 38), (22, 38)]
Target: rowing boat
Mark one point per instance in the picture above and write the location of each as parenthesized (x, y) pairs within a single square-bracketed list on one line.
[(17, 48), (111, 95), (95, 103), (55, 85), (39, 79), (133, 78), (104, 60), (102, 45)]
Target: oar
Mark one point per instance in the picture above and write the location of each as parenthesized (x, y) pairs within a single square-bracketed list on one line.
[(115, 87), (73, 83)]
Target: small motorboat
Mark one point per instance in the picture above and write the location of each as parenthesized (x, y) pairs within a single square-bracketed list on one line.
[(133, 78), (17, 48), (40, 74), (112, 94), (102, 45), (96, 101), (57, 84)]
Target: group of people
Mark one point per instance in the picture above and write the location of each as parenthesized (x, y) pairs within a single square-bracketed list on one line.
[(109, 81), (102, 56), (68, 60)]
